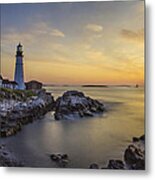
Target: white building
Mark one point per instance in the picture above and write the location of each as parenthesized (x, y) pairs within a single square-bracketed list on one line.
[(5, 83), (9, 84), (19, 73)]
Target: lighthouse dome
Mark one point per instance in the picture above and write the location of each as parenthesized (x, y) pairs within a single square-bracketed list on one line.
[(19, 45)]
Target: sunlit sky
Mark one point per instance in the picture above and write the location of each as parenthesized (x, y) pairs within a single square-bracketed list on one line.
[(75, 43)]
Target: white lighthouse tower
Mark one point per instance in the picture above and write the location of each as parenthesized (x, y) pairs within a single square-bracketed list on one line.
[(19, 73)]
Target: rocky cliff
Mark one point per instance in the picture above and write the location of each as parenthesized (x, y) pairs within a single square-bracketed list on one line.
[(21, 107), (74, 104)]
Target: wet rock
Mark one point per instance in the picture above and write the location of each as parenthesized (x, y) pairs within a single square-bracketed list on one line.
[(65, 161), (142, 138), (16, 112), (58, 157), (7, 159), (140, 164), (64, 156), (94, 166), (134, 157), (135, 139), (115, 164), (2, 146), (54, 157), (74, 104)]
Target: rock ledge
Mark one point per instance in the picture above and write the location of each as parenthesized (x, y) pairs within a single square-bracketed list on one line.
[(74, 104)]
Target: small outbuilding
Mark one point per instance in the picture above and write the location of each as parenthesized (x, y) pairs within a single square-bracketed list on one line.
[(33, 85)]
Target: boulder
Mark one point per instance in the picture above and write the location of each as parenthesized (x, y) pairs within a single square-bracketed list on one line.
[(94, 166), (142, 138), (135, 139), (54, 157), (60, 159), (74, 104), (64, 156), (134, 157), (115, 164), (7, 158)]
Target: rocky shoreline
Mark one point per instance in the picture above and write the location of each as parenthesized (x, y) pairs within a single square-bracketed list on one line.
[(18, 109), (7, 159), (134, 157)]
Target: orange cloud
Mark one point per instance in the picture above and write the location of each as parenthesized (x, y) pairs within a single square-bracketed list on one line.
[(94, 27), (135, 36), (57, 33)]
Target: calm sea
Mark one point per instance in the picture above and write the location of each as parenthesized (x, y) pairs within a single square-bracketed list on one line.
[(86, 140)]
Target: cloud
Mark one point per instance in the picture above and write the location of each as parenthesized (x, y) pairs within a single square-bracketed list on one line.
[(33, 34), (96, 55), (57, 33), (94, 27), (135, 36)]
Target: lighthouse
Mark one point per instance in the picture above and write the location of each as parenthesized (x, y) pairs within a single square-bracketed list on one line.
[(19, 73)]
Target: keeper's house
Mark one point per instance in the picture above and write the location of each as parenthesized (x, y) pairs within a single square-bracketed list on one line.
[(5, 83), (33, 85)]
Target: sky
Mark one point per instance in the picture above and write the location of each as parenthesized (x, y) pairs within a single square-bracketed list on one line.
[(75, 43)]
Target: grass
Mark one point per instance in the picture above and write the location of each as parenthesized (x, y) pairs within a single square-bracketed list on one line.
[(23, 94)]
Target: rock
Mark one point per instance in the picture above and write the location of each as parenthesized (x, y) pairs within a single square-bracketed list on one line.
[(64, 156), (94, 166), (140, 164), (135, 139), (115, 164), (142, 138), (5, 153), (54, 157), (16, 112), (74, 104), (2, 146), (134, 157), (64, 161), (59, 157), (7, 159)]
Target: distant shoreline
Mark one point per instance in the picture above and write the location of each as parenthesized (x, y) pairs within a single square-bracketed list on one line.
[(93, 85)]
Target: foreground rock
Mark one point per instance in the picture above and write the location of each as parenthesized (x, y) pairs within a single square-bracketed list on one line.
[(94, 166), (60, 159), (7, 159), (17, 109), (74, 104), (134, 157), (116, 164)]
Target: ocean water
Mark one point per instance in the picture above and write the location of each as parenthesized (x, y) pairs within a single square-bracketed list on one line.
[(85, 140)]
